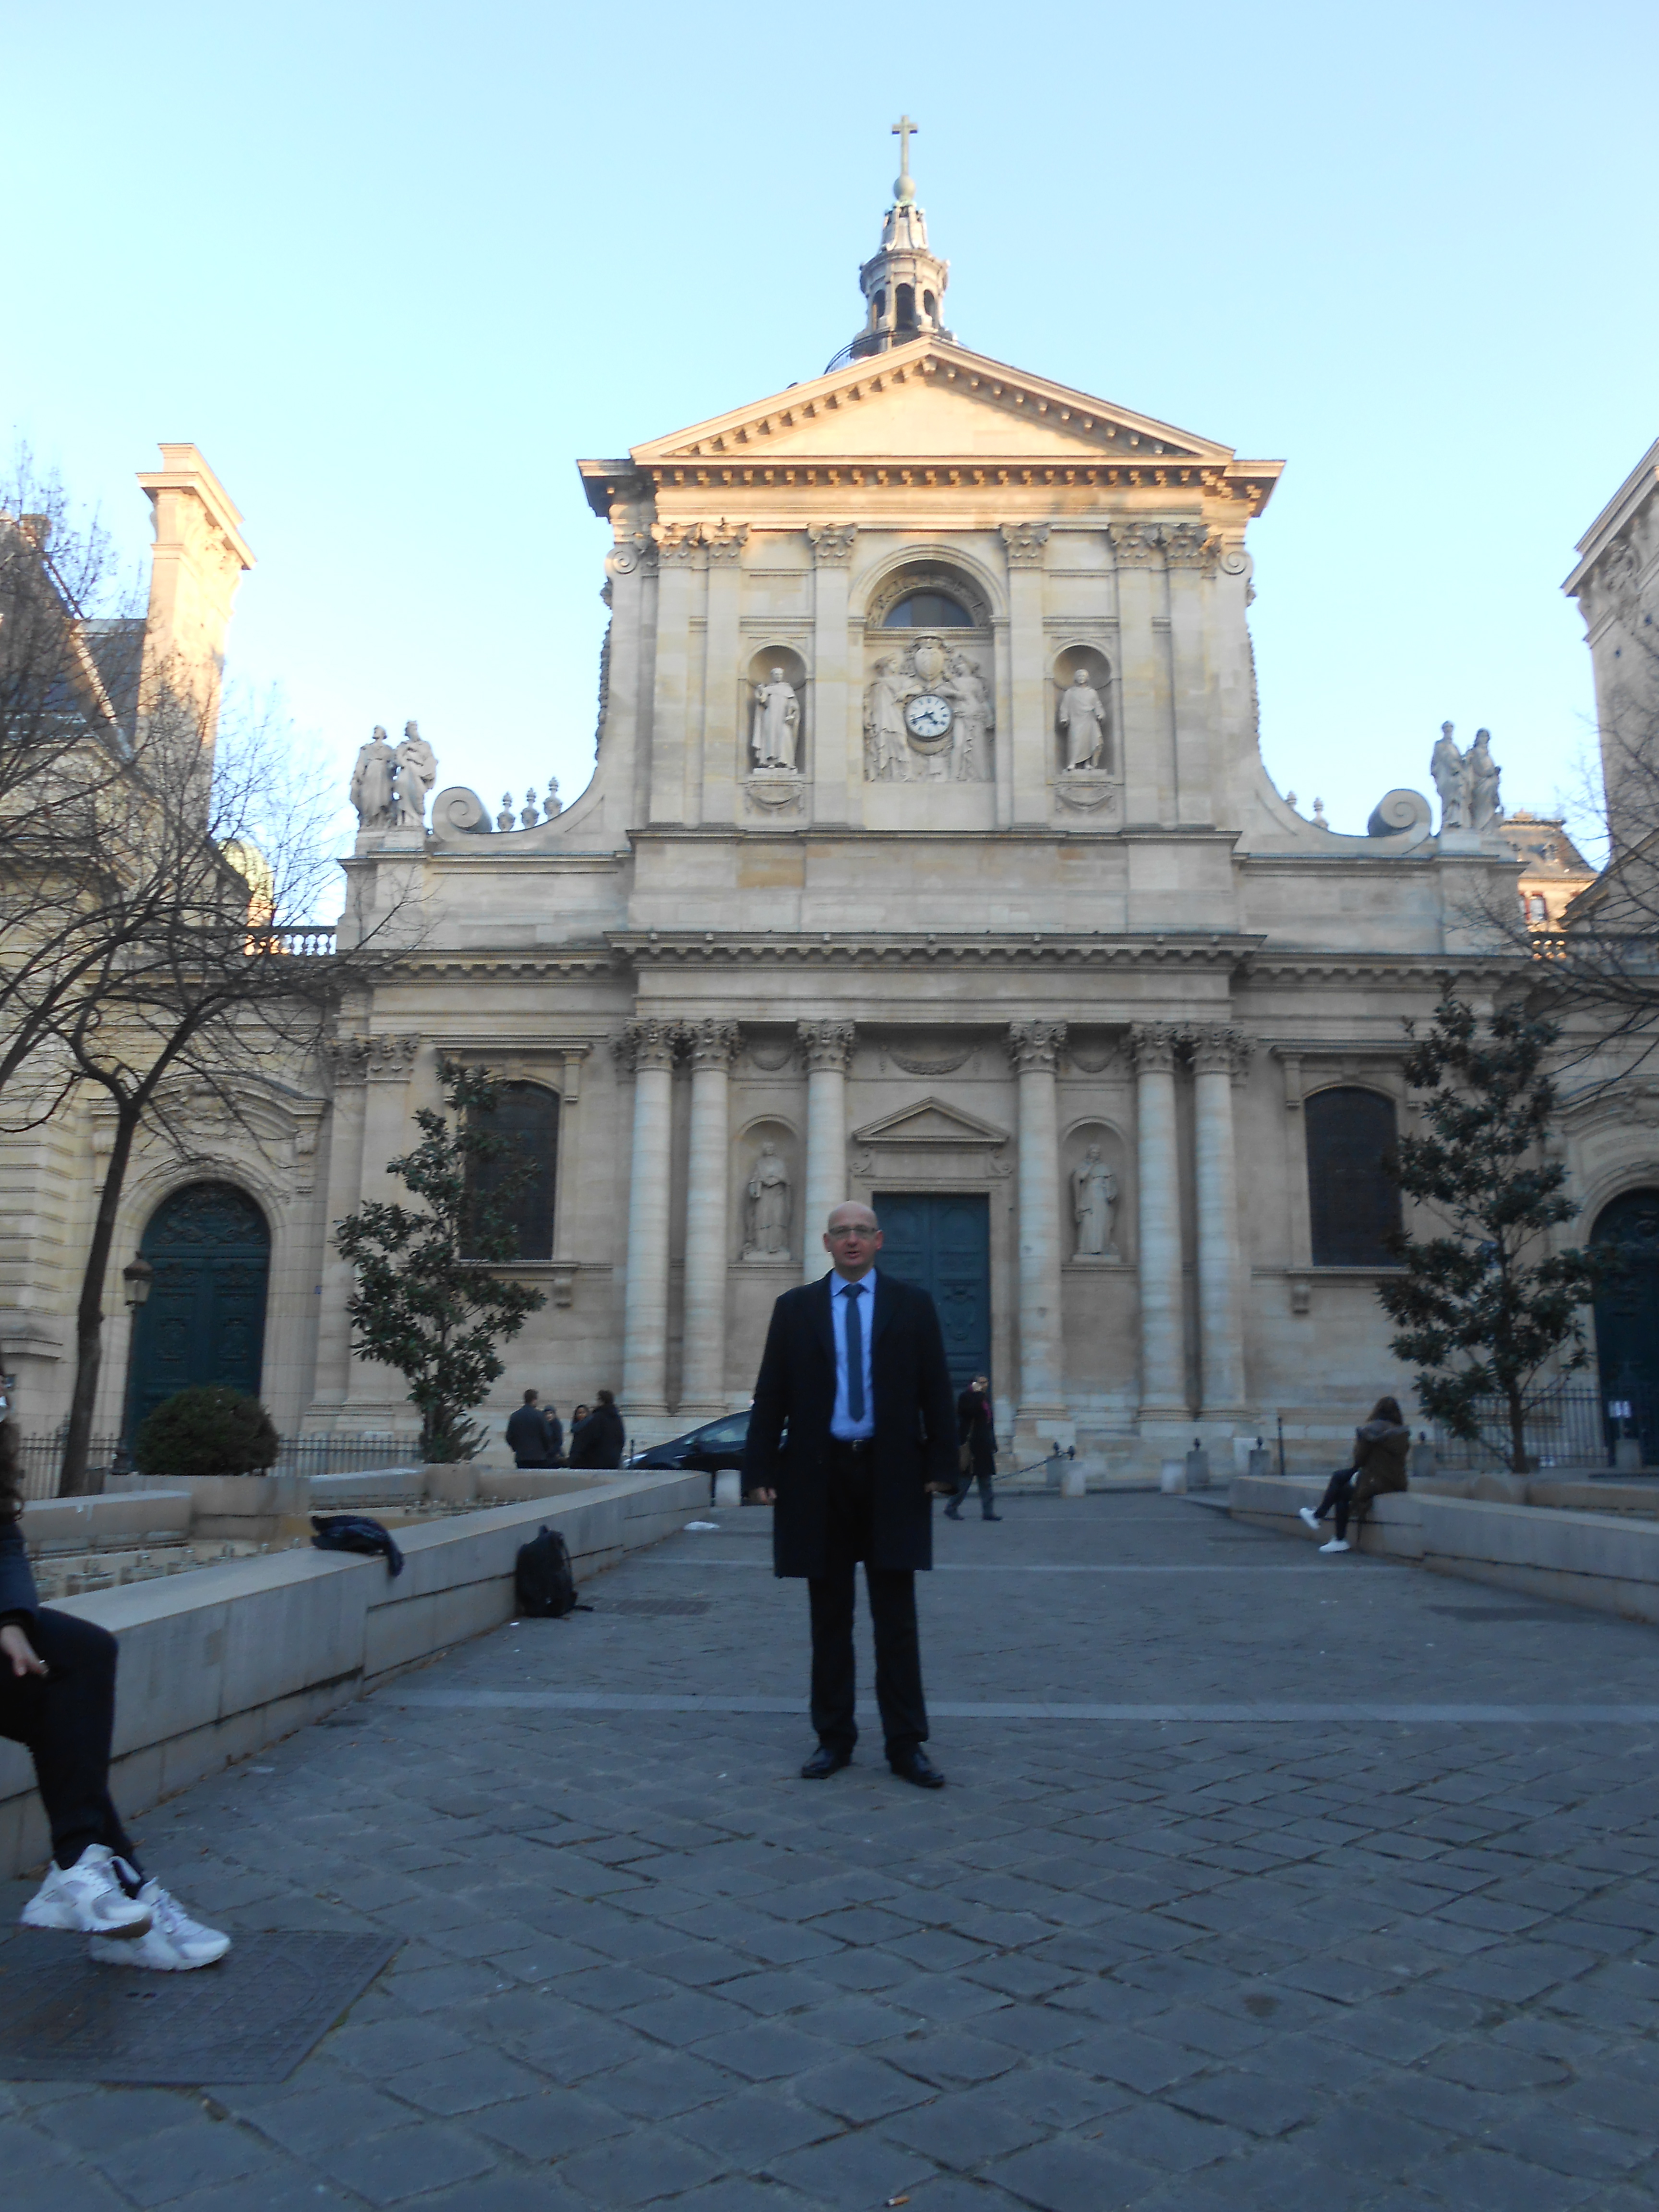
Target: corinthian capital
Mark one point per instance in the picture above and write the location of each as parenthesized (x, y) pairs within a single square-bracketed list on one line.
[(390, 1058), (1190, 545), (646, 1043), (1137, 545), (825, 1044), (1035, 1045), (710, 1043), (1025, 542), (347, 1058), (1220, 1051), (724, 541), (1152, 1047), (676, 542), (832, 542)]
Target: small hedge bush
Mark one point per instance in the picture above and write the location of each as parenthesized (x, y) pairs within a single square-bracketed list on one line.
[(208, 1429)]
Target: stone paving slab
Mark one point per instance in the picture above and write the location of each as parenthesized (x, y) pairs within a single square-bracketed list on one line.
[(1260, 1880)]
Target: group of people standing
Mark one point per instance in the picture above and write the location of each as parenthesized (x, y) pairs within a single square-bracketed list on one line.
[(534, 1434)]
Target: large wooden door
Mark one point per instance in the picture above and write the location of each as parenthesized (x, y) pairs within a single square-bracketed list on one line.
[(943, 1241), (204, 1319), (1628, 1311)]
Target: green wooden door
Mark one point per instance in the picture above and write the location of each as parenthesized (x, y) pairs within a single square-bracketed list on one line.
[(204, 1319), (942, 1240)]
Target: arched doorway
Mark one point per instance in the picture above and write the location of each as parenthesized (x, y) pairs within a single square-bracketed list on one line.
[(204, 1319), (1628, 1311)]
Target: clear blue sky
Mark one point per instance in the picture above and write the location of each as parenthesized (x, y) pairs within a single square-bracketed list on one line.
[(393, 268)]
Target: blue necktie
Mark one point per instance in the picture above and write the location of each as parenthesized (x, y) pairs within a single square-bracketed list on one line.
[(854, 1354)]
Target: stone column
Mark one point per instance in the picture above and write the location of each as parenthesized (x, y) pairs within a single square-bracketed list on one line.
[(1221, 1057), (835, 763), (711, 1045), (678, 550), (725, 730), (827, 1047), (389, 1062), (1033, 1049), (1190, 554), (347, 1059), (1148, 767), (647, 1047), (1162, 1302), (1028, 737)]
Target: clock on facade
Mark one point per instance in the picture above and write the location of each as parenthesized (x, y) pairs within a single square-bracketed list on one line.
[(927, 715)]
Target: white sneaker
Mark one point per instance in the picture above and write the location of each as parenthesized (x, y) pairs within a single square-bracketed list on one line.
[(176, 1944), (88, 1898), (1306, 1513), (1336, 1544)]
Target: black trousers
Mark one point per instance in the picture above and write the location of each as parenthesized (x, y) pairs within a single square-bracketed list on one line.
[(65, 1719), (892, 1598), (981, 1474), (1338, 1491)]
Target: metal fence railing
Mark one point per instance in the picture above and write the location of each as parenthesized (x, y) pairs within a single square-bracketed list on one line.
[(42, 1457), (1568, 1428)]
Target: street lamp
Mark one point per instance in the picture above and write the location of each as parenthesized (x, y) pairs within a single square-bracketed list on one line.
[(136, 1277)]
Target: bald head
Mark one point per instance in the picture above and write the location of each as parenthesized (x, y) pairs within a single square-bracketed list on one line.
[(852, 1239)]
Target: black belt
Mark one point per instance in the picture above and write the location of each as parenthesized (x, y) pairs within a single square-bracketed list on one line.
[(860, 1446)]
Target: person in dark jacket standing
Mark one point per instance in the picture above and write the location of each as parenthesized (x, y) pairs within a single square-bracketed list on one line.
[(976, 1448), (533, 1437), (1380, 1448), (854, 1369), (598, 1440), (57, 1699)]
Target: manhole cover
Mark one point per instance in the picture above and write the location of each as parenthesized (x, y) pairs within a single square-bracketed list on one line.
[(661, 1609), (251, 2019)]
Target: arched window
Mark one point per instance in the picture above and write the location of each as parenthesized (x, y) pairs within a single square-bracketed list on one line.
[(528, 1116), (904, 306), (1353, 1202), (878, 306), (928, 611), (929, 306)]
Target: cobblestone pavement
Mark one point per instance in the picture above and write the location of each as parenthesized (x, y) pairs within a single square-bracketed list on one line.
[(1220, 1961)]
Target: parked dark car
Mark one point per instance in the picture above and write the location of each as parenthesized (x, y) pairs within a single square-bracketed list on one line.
[(715, 1445)]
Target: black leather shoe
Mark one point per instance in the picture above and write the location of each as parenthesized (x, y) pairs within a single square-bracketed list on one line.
[(917, 1766), (951, 1513), (825, 1760), (990, 1517)]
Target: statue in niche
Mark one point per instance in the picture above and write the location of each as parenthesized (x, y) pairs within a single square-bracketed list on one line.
[(417, 771), (1482, 772), (1446, 766), (777, 723), (886, 750), (1094, 1200), (1082, 725), (371, 782), (768, 1208), (965, 689)]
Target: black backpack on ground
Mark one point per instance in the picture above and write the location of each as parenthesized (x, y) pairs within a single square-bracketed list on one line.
[(543, 1586)]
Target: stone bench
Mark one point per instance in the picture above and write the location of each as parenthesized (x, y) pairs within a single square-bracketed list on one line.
[(1608, 1561), (218, 1662)]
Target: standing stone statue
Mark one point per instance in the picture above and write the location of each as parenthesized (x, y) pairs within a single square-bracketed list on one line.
[(371, 782), (1082, 724), (417, 771), (965, 687), (1094, 1198), (1482, 772), (777, 723), (883, 726), (768, 1208), (1447, 768)]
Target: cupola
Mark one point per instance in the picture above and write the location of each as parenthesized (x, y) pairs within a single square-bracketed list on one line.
[(904, 284)]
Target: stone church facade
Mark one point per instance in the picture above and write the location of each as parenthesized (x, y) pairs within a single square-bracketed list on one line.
[(929, 859)]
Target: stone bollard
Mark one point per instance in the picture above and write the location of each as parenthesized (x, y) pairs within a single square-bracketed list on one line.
[(1260, 1463), (1627, 1454), (1053, 1468), (1197, 1467), (728, 1487), (1424, 1461), (1172, 1478), (1074, 1479)]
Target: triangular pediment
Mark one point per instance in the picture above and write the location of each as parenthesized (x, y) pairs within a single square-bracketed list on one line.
[(930, 1122), (930, 400)]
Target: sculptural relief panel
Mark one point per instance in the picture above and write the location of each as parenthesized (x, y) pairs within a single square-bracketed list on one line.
[(929, 711)]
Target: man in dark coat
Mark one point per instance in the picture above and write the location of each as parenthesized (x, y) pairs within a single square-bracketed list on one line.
[(529, 1435), (598, 1440), (976, 1448), (854, 1368)]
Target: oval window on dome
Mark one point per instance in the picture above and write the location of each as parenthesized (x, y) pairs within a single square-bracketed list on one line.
[(929, 610)]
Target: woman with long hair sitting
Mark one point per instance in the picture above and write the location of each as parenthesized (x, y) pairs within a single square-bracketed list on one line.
[(1380, 1444)]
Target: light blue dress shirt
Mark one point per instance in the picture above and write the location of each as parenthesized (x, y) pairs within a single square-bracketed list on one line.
[(841, 1423)]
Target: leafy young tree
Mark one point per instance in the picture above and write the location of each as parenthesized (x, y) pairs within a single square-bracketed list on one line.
[(426, 1302), (1485, 1310)]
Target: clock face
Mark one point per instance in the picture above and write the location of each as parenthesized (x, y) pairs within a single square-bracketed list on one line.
[(929, 716)]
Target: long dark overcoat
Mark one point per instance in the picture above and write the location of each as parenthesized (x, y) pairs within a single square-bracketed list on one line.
[(915, 1434)]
